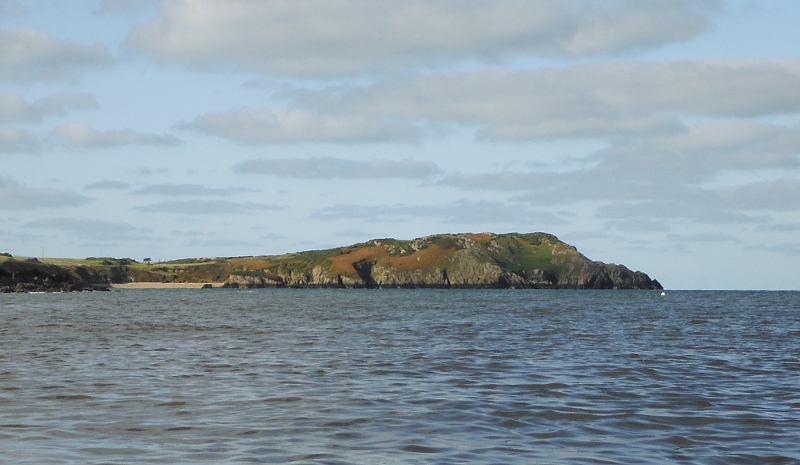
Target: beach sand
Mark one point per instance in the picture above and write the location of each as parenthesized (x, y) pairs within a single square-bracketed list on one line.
[(163, 285)]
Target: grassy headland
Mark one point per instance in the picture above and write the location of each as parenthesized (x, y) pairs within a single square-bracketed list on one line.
[(485, 260)]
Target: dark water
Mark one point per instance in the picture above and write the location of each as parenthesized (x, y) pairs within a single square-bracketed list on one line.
[(371, 377)]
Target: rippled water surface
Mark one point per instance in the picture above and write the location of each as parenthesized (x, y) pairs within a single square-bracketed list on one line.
[(399, 376)]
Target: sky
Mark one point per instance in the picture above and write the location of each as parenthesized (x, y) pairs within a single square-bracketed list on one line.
[(660, 134)]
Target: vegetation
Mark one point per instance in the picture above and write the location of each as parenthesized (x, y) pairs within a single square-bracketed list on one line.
[(538, 259)]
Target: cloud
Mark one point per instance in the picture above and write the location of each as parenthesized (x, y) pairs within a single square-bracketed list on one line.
[(778, 195), (336, 168), (703, 237), (643, 204), (725, 204), (596, 100), (463, 212), (353, 37), (90, 229), (14, 109), (784, 249), (568, 187), (639, 225), (218, 243), (666, 166), (703, 150), (107, 185), (29, 55), (16, 196), (266, 125), (18, 141), (173, 190), (676, 209), (781, 227), (82, 136), (621, 102), (205, 207)]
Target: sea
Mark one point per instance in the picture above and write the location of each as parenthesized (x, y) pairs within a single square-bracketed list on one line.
[(346, 376)]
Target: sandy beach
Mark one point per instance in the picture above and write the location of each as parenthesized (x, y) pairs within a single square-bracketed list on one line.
[(163, 285)]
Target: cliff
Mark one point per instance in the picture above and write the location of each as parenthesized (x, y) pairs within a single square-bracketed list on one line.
[(537, 260), (32, 276), (516, 261)]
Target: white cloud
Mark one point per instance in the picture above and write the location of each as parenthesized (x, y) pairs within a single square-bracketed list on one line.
[(205, 207), (82, 136), (336, 168), (266, 125), (702, 151), (350, 37), (14, 109), (14, 140), (657, 167), (624, 195), (31, 55), (17, 196), (592, 100), (596, 101)]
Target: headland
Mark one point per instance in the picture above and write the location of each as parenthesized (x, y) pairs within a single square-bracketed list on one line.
[(462, 261)]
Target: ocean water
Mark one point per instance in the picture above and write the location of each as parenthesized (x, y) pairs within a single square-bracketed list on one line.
[(400, 376)]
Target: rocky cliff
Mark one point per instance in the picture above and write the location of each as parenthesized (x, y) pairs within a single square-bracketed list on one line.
[(537, 260), (32, 276), (516, 261)]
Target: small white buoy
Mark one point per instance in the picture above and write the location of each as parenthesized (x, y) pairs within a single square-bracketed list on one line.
[(663, 293)]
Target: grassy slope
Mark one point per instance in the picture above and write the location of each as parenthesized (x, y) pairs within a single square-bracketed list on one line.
[(512, 252)]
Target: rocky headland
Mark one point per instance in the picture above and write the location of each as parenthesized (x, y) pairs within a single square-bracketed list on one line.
[(462, 261), (30, 275)]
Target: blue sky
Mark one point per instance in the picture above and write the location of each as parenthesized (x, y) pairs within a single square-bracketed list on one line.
[(663, 135)]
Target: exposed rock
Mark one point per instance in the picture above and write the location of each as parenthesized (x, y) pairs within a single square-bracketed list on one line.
[(485, 260), (32, 276), (537, 260)]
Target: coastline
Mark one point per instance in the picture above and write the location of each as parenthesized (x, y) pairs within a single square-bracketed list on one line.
[(146, 285)]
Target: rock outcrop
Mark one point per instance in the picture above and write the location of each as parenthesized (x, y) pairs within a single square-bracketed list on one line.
[(486, 260), (537, 260), (32, 276)]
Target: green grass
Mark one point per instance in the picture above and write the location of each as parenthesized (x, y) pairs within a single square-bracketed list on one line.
[(532, 257), (513, 252)]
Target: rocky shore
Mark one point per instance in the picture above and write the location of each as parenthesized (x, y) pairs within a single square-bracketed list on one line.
[(462, 261), (457, 261), (32, 276)]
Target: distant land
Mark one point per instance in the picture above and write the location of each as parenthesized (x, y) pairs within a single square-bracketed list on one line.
[(462, 261)]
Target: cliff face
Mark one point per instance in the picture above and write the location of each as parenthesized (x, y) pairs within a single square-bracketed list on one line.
[(536, 260), (517, 261), (32, 276)]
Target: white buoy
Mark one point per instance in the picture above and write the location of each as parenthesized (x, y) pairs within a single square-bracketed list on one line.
[(663, 293)]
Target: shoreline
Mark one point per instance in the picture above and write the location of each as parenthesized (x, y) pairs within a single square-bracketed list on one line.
[(146, 285)]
